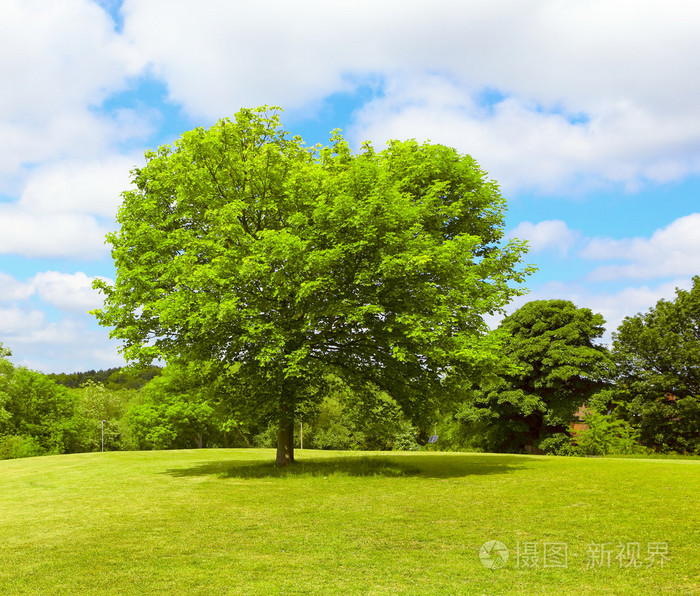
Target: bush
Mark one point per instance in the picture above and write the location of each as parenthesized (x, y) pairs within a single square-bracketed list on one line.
[(34, 406), (13, 447), (558, 444), (606, 435), (405, 438), (333, 436), (669, 425), (331, 429), (175, 411), (267, 438)]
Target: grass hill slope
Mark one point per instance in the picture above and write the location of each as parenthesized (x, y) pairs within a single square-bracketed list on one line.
[(229, 522)]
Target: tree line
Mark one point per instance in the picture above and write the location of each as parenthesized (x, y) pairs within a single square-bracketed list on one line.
[(111, 378), (641, 395), (45, 414)]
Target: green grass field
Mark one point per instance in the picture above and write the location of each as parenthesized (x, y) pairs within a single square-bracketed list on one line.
[(229, 522)]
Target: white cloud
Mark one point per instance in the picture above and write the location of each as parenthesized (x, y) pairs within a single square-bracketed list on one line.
[(60, 151), (58, 56), (220, 56), (66, 208), (68, 292), (78, 186), (69, 137), (551, 234), (50, 234), (670, 251), (12, 289), (15, 321), (523, 147), (627, 68), (223, 54), (66, 345), (60, 61)]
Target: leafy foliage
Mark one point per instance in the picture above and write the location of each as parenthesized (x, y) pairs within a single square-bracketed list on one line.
[(182, 408), (553, 367), (606, 435), (658, 351), (102, 413), (342, 421), (12, 447), (41, 409), (658, 358), (373, 423), (36, 415)]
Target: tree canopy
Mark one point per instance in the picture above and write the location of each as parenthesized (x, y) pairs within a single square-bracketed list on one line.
[(35, 408), (554, 366), (278, 263), (658, 359), (658, 352)]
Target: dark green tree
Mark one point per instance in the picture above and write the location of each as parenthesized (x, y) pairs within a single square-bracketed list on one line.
[(281, 263), (553, 366), (658, 359)]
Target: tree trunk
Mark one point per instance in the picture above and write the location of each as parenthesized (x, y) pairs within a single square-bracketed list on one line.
[(535, 423), (285, 443)]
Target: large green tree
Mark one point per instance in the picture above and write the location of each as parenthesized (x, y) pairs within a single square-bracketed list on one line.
[(553, 366), (242, 247), (658, 359)]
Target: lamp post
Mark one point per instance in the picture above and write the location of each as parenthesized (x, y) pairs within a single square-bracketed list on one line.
[(103, 436)]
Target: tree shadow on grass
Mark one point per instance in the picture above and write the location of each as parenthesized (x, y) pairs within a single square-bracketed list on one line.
[(427, 466)]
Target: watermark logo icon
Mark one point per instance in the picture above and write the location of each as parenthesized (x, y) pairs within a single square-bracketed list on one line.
[(493, 554)]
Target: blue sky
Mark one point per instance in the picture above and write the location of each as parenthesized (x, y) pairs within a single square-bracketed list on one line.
[(586, 114)]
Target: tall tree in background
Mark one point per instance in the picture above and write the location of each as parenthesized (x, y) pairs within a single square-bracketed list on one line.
[(279, 263), (33, 406), (658, 352), (658, 358), (555, 367), (173, 411)]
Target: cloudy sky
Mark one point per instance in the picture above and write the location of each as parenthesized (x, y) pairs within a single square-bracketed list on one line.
[(585, 112)]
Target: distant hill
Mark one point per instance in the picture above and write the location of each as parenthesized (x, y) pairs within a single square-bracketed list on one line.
[(111, 378)]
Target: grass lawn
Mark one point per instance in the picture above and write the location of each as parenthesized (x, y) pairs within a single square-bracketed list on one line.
[(228, 522)]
